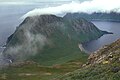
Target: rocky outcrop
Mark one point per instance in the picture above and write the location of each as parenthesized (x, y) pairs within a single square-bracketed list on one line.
[(103, 64), (106, 55)]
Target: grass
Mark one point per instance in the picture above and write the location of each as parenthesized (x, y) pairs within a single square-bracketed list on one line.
[(61, 51), (101, 70), (64, 37), (37, 72), (96, 72), (60, 57)]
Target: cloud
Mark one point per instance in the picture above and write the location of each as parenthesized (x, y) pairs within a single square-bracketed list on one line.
[(86, 6), (32, 42), (27, 0), (34, 0), (12, 3), (29, 47)]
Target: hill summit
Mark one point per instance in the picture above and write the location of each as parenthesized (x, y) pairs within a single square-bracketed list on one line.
[(48, 39)]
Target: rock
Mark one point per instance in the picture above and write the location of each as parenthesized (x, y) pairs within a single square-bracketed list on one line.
[(107, 54), (115, 69), (105, 62)]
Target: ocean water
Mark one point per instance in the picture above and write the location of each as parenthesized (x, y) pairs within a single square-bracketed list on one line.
[(113, 27)]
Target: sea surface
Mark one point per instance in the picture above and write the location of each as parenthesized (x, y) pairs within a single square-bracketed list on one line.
[(113, 27)]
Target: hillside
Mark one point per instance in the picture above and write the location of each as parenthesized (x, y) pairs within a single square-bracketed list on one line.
[(103, 64), (96, 16), (49, 40)]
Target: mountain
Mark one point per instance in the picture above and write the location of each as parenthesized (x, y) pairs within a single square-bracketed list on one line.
[(49, 40), (103, 64), (96, 16)]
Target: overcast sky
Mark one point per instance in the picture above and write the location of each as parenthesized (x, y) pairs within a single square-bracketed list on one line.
[(31, 0), (36, 0), (87, 7), (72, 6), (20, 2)]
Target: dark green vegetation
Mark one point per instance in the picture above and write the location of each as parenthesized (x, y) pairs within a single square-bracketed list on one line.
[(102, 65), (112, 16), (46, 48), (50, 40), (34, 71)]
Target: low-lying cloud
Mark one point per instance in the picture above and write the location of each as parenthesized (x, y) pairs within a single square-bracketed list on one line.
[(30, 46), (87, 7)]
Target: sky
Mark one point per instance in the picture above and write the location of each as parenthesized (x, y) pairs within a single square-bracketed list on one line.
[(30, 0), (17, 1), (76, 6), (23, 2), (35, 0), (71, 6)]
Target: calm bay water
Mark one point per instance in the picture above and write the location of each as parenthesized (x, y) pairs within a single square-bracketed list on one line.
[(113, 27)]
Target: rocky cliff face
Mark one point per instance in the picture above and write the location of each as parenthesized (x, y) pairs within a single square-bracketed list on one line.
[(49, 39), (103, 64), (106, 55)]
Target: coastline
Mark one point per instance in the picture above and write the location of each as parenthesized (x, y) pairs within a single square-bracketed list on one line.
[(104, 20)]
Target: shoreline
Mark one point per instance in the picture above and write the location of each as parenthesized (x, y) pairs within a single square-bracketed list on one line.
[(101, 20)]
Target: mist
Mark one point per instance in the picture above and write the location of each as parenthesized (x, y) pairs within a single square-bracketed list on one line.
[(29, 43), (73, 7), (21, 52), (29, 47)]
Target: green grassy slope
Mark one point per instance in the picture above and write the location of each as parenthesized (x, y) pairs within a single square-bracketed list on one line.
[(46, 48), (34, 71), (102, 65)]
